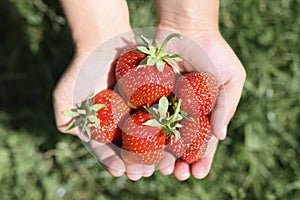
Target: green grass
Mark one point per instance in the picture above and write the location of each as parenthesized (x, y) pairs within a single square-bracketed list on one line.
[(258, 160)]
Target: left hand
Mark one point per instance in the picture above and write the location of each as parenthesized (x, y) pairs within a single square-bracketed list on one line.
[(208, 51)]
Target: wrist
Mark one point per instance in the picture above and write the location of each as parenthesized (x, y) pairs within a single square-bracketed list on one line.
[(84, 43), (93, 22), (189, 15)]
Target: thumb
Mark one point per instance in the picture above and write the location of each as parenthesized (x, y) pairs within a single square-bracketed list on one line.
[(232, 79), (225, 107)]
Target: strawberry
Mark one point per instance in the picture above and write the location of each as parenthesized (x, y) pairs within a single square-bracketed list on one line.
[(141, 143), (146, 74), (99, 116), (194, 136), (128, 61), (198, 91), (144, 132)]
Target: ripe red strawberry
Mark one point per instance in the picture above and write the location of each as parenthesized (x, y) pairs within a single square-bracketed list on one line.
[(198, 91), (194, 136), (146, 74), (99, 116), (128, 61), (142, 144)]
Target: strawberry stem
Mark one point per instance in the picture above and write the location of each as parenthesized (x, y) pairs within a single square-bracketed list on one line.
[(161, 50), (176, 113), (158, 56)]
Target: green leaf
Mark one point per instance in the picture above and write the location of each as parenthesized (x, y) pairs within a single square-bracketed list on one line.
[(87, 130), (162, 53), (152, 122), (144, 50), (158, 44), (153, 111), (151, 61), (73, 125), (78, 122), (178, 125), (81, 111), (176, 57), (146, 41), (163, 121), (163, 106), (168, 131), (143, 63), (178, 117), (152, 50), (170, 62), (160, 65), (97, 107), (70, 113), (94, 120), (79, 105)]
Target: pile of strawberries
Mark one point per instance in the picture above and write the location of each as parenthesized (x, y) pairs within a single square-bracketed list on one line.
[(153, 107)]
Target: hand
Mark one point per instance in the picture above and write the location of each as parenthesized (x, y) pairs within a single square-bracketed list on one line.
[(207, 51), (88, 32), (92, 26), (204, 49)]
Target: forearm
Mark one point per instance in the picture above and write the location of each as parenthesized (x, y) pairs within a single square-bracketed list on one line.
[(197, 15), (93, 21)]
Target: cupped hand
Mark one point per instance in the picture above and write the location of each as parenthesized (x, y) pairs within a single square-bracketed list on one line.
[(90, 72), (99, 35), (207, 51)]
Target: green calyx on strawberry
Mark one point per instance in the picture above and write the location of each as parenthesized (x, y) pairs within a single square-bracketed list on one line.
[(186, 137), (163, 119), (99, 116), (148, 131), (84, 116), (146, 74), (158, 56), (144, 133)]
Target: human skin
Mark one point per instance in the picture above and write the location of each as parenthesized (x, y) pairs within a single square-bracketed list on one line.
[(92, 23), (198, 20)]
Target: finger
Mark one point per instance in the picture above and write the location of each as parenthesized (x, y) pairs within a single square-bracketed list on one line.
[(167, 163), (148, 170), (63, 98), (62, 103), (182, 170), (114, 166), (225, 107), (137, 171), (201, 168), (231, 77), (134, 172), (218, 114), (108, 156)]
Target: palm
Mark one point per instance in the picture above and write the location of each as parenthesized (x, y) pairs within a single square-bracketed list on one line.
[(209, 52), (90, 72)]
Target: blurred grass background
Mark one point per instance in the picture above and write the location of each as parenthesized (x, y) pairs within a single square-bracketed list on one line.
[(260, 159)]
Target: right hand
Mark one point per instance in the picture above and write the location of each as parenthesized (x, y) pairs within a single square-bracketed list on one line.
[(92, 23)]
